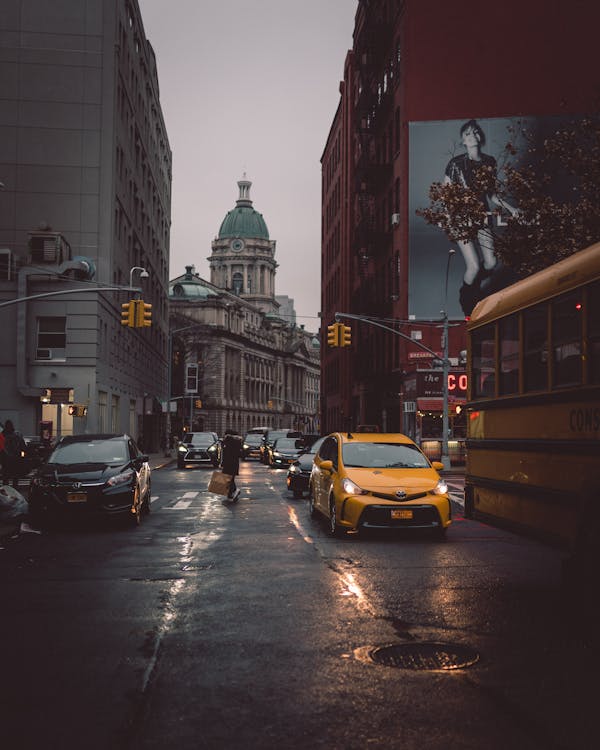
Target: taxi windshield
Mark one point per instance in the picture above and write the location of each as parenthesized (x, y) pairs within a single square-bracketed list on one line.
[(383, 456)]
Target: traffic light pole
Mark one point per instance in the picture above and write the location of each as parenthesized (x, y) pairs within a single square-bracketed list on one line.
[(445, 364)]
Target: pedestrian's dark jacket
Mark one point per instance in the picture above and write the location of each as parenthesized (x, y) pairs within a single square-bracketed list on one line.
[(230, 461)]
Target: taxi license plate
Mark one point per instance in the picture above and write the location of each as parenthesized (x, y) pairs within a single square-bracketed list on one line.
[(77, 497), (402, 514)]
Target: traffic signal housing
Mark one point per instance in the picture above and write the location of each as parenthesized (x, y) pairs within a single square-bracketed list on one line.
[(333, 334), (345, 338), (128, 314), (143, 315), (77, 410)]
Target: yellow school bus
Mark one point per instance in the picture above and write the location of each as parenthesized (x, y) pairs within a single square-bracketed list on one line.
[(533, 411)]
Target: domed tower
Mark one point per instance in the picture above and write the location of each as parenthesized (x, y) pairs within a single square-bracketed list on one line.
[(243, 256)]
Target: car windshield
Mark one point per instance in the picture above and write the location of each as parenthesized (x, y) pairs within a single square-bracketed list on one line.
[(315, 446), (383, 456), (91, 452), (253, 439), (276, 435), (285, 444), (202, 438)]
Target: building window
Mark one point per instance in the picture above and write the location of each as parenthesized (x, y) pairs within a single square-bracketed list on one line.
[(51, 338), (114, 415), (102, 409)]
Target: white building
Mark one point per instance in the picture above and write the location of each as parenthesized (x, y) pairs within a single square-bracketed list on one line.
[(244, 361)]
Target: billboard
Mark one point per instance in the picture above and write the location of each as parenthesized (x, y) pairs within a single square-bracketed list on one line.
[(449, 151)]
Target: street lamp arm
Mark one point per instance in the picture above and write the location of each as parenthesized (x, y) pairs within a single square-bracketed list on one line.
[(370, 321), (72, 291)]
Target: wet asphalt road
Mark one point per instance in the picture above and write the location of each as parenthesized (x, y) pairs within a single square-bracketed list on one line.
[(219, 625)]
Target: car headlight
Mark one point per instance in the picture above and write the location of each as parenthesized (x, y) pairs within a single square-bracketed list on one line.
[(245, 446), (182, 449), (276, 454), (40, 482), (126, 476), (295, 469), (441, 488), (352, 489), (212, 448)]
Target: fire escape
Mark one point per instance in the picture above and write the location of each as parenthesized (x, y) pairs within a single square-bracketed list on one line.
[(372, 164)]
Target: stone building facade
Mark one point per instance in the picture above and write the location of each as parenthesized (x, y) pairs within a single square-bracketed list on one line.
[(236, 362)]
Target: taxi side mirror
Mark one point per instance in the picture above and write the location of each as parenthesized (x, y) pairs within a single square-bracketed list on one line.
[(326, 465), (437, 465)]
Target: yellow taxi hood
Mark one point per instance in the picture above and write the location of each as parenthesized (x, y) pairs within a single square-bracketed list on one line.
[(390, 480)]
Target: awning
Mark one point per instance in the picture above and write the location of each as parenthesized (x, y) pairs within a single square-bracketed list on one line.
[(437, 404)]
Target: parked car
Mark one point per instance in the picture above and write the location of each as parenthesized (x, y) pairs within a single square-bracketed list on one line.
[(251, 445), (284, 451), (377, 481), (36, 452), (298, 475), (92, 474), (202, 448), (270, 437)]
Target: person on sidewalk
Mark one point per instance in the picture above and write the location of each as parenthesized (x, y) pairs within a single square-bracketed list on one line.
[(14, 446), (230, 461)]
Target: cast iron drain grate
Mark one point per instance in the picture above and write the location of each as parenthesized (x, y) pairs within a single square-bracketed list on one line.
[(425, 656)]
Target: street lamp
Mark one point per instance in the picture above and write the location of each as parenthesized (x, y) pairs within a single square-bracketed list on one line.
[(446, 366), (143, 275)]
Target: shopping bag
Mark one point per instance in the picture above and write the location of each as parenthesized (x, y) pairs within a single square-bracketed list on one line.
[(220, 483)]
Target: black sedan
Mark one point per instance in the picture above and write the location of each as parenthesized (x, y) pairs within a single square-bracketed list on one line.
[(284, 451), (105, 475), (299, 472)]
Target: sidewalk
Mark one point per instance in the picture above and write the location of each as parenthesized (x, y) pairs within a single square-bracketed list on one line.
[(160, 460)]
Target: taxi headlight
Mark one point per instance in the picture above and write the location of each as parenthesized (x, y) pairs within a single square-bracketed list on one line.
[(352, 489), (441, 488)]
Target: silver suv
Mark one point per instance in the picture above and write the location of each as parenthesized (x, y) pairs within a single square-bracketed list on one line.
[(199, 448)]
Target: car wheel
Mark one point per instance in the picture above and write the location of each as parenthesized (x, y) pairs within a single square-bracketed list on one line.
[(334, 528), (440, 533)]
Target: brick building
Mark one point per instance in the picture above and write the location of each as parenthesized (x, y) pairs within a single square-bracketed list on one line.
[(418, 71)]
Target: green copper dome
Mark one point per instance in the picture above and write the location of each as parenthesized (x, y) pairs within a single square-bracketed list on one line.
[(243, 220)]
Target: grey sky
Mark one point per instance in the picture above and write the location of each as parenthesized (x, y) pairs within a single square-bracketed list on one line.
[(250, 87)]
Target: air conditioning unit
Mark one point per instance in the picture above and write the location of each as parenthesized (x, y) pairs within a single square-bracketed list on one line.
[(395, 220), (43, 353)]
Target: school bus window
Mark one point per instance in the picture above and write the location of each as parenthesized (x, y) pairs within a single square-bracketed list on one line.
[(508, 381), (483, 359), (593, 328), (535, 348), (566, 340)]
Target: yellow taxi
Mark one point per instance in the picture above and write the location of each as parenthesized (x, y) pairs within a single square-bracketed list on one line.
[(377, 481)]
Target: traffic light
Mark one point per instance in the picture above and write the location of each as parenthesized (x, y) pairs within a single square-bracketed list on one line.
[(77, 410), (143, 314), (333, 334), (345, 335), (128, 314)]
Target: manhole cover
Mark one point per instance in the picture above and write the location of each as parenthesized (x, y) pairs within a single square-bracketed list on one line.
[(425, 656)]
